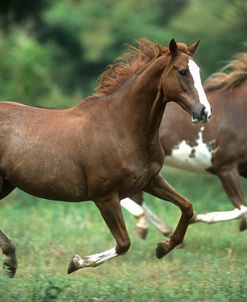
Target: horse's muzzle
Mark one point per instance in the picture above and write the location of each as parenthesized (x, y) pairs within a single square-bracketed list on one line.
[(201, 115)]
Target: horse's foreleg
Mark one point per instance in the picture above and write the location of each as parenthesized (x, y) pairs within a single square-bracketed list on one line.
[(163, 227), (8, 249), (160, 188), (7, 246), (138, 212), (111, 212), (135, 205), (230, 180)]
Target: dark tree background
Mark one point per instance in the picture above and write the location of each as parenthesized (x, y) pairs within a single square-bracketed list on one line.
[(53, 51)]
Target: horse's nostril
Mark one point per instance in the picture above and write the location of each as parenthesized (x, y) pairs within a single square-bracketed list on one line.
[(203, 112)]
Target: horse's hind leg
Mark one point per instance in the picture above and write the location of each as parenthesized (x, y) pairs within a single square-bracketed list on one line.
[(8, 248), (135, 205), (230, 180)]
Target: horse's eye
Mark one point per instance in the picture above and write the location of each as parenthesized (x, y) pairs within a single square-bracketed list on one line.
[(184, 72)]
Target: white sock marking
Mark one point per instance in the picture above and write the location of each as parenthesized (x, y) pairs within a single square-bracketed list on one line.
[(221, 216), (132, 207), (155, 220), (95, 259)]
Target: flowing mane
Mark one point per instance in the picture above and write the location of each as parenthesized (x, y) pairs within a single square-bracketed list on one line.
[(230, 76), (130, 63)]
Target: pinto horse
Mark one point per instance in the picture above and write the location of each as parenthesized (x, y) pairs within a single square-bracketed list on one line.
[(218, 148), (107, 146)]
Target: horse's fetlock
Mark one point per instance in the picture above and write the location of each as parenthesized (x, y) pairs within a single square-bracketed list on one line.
[(123, 248)]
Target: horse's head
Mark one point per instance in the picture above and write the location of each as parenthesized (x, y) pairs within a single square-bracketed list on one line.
[(181, 82)]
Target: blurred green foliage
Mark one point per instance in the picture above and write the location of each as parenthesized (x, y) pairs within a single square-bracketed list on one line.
[(24, 67), (53, 51)]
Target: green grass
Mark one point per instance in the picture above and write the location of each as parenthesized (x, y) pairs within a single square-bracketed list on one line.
[(211, 267)]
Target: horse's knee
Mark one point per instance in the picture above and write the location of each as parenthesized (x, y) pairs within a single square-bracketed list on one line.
[(123, 247)]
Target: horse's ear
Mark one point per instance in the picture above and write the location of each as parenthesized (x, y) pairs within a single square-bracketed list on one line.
[(192, 48), (173, 47)]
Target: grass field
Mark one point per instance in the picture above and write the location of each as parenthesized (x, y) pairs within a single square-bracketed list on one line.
[(211, 267)]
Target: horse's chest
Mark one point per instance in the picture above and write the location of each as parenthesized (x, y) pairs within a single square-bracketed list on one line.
[(196, 158)]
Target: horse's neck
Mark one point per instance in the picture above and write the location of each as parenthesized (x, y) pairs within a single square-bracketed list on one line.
[(140, 101)]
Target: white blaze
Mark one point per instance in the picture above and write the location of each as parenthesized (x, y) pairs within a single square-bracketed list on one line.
[(195, 72)]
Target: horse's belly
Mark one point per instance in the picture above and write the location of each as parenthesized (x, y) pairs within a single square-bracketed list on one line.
[(51, 180), (197, 158), (58, 189)]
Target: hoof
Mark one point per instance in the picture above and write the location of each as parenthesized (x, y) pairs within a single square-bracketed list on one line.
[(162, 249), (73, 265), (141, 232), (9, 269), (243, 224)]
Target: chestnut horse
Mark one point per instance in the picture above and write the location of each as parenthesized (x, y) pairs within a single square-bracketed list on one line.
[(107, 146), (218, 148)]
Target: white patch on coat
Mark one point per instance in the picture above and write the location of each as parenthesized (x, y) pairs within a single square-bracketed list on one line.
[(195, 158), (195, 72)]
